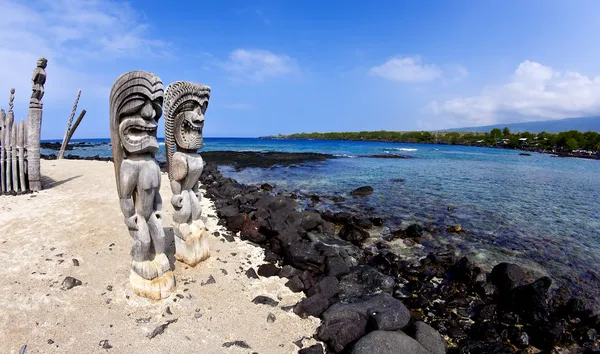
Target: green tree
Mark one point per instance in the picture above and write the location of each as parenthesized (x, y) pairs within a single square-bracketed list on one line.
[(496, 133), (506, 132), (572, 144)]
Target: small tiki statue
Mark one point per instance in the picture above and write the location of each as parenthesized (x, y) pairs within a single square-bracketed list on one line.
[(38, 80), (185, 105), (135, 106)]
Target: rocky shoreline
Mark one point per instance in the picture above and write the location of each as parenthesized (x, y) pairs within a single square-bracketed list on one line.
[(243, 159), (54, 145), (370, 299)]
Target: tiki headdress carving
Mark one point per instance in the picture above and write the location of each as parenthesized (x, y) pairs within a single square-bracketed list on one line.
[(185, 105), (135, 106)]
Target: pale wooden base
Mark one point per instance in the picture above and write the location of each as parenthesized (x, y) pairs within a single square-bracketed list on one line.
[(155, 289), (193, 250), (152, 279)]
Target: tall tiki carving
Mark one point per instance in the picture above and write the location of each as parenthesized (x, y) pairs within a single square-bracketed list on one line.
[(14, 156), (38, 81), (135, 106), (2, 152), (185, 105)]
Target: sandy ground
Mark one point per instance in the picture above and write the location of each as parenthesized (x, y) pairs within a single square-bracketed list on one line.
[(77, 216)]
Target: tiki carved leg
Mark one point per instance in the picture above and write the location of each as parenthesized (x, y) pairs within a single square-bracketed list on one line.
[(191, 236), (151, 274)]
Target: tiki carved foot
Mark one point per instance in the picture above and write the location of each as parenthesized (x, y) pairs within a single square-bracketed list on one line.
[(191, 243)]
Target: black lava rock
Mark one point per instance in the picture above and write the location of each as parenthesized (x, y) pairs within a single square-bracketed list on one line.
[(69, 283), (343, 323), (364, 280), (352, 233), (312, 306), (362, 191), (310, 220), (327, 287), (336, 266), (414, 231), (287, 271), (506, 276), (265, 300), (251, 273), (295, 284), (313, 349), (384, 342), (268, 270), (429, 338)]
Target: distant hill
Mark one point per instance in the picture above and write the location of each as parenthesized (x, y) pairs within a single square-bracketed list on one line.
[(582, 124)]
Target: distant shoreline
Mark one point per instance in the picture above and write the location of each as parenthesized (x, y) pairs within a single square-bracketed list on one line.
[(55, 145), (594, 156)]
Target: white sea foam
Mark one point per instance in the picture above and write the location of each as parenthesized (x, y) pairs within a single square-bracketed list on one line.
[(406, 149), (345, 155)]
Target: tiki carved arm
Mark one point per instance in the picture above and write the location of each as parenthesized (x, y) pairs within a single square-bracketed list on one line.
[(179, 170), (197, 184), (158, 205), (129, 177)]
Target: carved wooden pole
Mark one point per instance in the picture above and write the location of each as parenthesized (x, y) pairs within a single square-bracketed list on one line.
[(65, 141), (8, 152), (14, 156), (75, 125), (26, 166), (2, 151), (21, 152), (13, 141), (35, 124)]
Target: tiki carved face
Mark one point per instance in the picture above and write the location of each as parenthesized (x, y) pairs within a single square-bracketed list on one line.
[(138, 122), (189, 122), (42, 62), (185, 105)]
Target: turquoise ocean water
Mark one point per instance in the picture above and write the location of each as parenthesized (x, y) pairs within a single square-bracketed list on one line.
[(539, 211)]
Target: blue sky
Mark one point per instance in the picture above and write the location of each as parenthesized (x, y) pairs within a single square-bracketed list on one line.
[(303, 66)]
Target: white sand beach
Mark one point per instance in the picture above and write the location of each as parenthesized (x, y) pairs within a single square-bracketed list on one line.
[(77, 216)]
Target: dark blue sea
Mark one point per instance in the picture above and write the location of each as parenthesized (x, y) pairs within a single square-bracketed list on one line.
[(539, 211)]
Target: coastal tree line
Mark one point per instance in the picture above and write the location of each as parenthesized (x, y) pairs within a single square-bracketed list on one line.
[(569, 141)]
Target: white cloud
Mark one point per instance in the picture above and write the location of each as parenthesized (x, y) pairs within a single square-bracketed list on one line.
[(409, 69), (258, 65), (535, 92), (74, 35)]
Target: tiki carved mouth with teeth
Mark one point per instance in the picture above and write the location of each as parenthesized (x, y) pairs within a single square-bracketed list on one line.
[(139, 135), (188, 129), (138, 125)]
